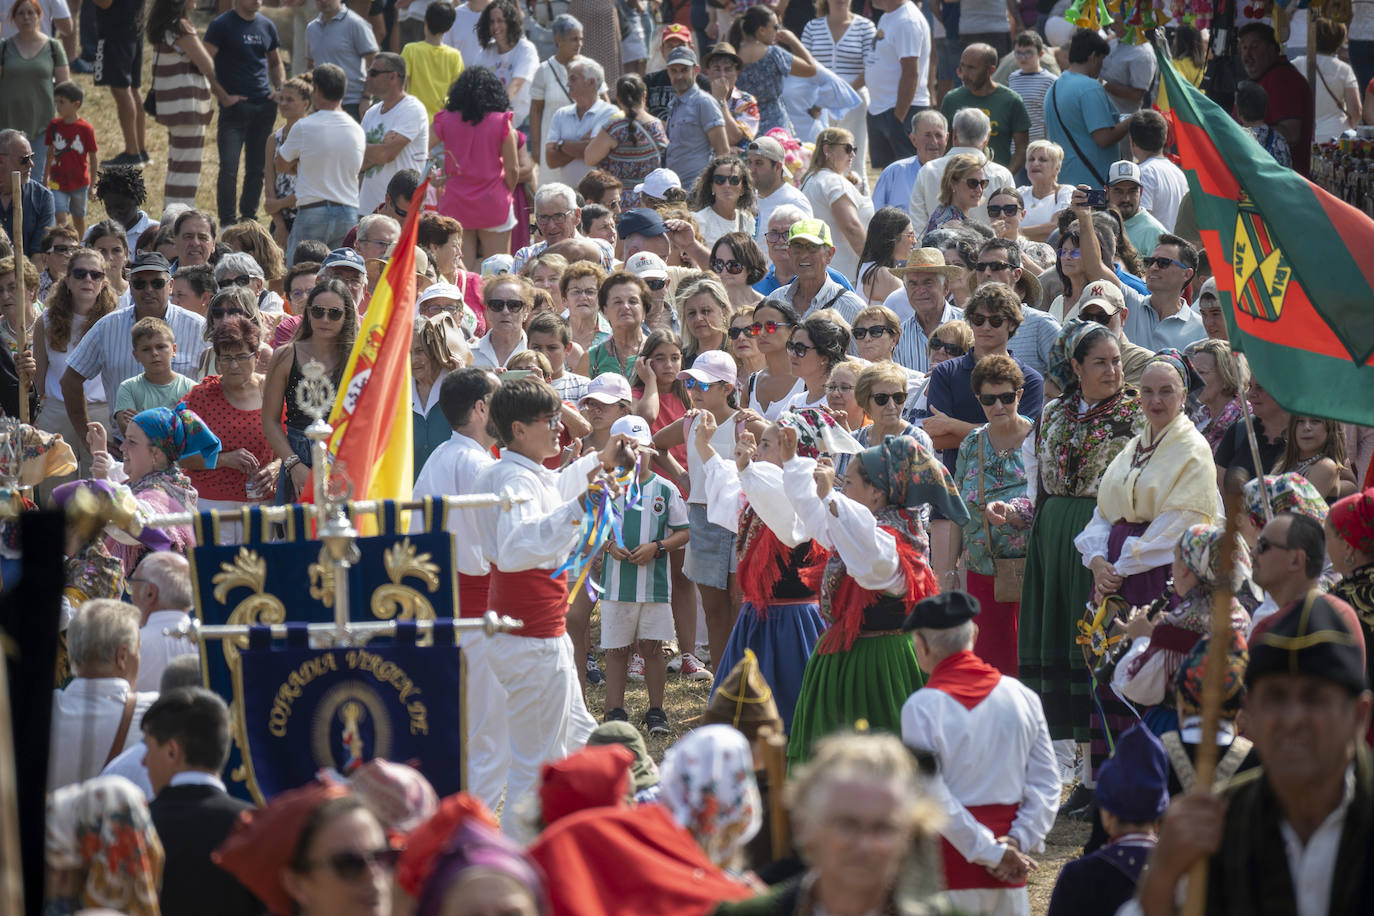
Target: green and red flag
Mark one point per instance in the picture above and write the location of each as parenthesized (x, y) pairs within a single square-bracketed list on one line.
[(1294, 265)]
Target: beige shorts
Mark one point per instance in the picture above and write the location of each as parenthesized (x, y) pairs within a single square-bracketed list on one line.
[(624, 622)]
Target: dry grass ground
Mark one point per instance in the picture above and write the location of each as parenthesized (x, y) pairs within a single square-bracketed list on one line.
[(684, 699)]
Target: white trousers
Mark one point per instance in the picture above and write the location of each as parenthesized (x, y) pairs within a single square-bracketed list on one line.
[(484, 707), (1010, 901), (537, 689)]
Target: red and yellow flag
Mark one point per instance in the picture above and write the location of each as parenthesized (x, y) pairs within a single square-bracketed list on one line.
[(371, 444)]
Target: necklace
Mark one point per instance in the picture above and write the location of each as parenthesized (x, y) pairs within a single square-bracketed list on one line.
[(1142, 453)]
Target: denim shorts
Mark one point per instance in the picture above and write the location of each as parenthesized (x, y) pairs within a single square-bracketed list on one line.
[(73, 202), (710, 551)]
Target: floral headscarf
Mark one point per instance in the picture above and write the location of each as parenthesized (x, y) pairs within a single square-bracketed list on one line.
[(1200, 546), (398, 794), (1290, 492), (708, 786), (1059, 366), (102, 827), (1188, 680), (1353, 519), (178, 432), (818, 433), (1175, 360), (911, 475)]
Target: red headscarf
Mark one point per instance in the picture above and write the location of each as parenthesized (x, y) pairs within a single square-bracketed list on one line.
[(1353, 519), (594, 777)]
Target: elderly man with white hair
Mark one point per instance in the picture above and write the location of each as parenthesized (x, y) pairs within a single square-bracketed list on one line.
[(161, 590), (557, 215), (972, 129), (573, 125), (782, 271), (97, 715)]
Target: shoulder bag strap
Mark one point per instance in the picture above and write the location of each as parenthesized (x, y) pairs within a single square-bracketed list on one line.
[(125, 721), (987, 531), (1054, 103), (1327, 86)]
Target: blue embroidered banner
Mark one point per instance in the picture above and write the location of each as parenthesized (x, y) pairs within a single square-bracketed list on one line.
[(304, 709)]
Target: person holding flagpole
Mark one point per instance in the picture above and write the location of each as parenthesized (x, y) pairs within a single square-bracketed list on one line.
[(535, 666)]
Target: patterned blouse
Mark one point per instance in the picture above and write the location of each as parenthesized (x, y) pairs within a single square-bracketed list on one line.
[(638, 150), (763, 80), (1004, 479), (1214, 430), (1075, 446)]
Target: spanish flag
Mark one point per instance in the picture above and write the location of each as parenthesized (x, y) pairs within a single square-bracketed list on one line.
[(371, 444)]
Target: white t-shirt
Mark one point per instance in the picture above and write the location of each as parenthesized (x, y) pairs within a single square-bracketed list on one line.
[(549, 85), (1042, 210), (52, 9), (783, 194), (1339, 77), (463, 35), (329, 145), (713, 225), (567, 126), (519, 63), (408, 118), (1162, 186), (823, 189), (903, 33)]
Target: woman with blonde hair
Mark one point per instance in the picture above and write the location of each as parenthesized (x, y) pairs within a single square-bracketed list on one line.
[(279, 188), (839, 196), (1224, 381), (705, 308), (437, 348), (1315, 448), (252, 239), (578, 287), (961, 190), (1044, 196)]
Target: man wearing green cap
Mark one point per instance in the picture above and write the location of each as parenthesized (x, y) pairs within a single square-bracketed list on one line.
[(810, 245), (1296, 836)]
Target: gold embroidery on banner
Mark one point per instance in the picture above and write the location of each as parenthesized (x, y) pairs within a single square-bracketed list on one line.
[(322, 580), (401, 602)]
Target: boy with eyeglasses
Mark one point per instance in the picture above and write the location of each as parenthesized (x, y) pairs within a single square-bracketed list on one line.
[(158, 385)]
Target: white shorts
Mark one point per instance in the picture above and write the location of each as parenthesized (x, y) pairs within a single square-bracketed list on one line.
[(624, 622)]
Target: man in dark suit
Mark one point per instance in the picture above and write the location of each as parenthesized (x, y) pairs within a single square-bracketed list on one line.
[(187, 734)]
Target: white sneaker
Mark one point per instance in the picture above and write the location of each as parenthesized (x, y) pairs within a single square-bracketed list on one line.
[(694, 670), (636, 669), (703, 654), (675, 664)]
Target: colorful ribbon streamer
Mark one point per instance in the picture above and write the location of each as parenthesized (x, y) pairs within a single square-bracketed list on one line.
[(602, 522)]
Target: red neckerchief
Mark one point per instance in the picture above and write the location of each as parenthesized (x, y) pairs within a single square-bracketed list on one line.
[(965, 677)]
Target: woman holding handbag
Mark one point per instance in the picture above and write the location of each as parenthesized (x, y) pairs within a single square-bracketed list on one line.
[(990, 469), (183, 79)]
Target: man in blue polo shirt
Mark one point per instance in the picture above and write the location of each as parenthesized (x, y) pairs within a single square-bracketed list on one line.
[(782, 271), (248, 65)]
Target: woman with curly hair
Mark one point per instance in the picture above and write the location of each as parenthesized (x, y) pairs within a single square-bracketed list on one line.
[(508, 53), (481, 162), (77, 302), (817, 344), (722, 199)]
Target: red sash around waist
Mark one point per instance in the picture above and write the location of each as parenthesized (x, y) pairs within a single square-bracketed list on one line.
[(960, 873), (472, 595), (533, 596)]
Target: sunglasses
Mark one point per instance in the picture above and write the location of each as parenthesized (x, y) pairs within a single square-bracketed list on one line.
[(351, 865), (722, 179), (978, 319), (751, 330), (1003, 209), (799, 350), (1095, 315), (61, 249), (768, 327), (1066, 254), (1006, 397), (242, 280), (847, 147), (877, 330), (975, 184), (898, 398), (319, 313), (26, 160), (222, 312), (159, 283), (1264, 545), (697, 384), (655, 283), (375, 72), (505, 305), (953, 349), (731, 266), (81, 273), (1162, 263), (993, 266)]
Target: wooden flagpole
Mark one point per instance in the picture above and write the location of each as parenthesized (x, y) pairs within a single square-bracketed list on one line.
[(774, 748), (1213, 683), (17, 186)]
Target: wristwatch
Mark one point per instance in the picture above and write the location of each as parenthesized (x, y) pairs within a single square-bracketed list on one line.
[(661, 549)]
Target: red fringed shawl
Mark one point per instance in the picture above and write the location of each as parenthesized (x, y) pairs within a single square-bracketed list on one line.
[(762, 559)]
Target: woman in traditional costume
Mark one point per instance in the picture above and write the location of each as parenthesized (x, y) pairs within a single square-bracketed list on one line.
[(779, 619), (864, 667)]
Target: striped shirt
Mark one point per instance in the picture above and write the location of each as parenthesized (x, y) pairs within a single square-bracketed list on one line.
[(1032, 88), (660, 511), (107, 349), (913, 349), (845, 58)]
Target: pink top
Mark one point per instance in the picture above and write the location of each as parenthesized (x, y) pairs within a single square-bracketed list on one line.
[(475, 194)]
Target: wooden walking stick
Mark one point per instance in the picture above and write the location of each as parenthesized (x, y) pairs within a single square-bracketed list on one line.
[(774, 748), (1213, 683), (17, 185)]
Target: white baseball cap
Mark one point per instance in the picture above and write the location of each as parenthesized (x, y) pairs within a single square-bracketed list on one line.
[(712, 366), (637, 428), (657, 183), (1123, 170), (498, 264), (608, 388), (1102, 293), (647, 265), (440, 291)]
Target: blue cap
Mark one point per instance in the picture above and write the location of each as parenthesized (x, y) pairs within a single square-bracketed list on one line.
[(1133, 783), (345, 257), (640, 221)]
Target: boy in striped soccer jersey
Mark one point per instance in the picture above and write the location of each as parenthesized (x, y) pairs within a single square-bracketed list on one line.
[(635, 609)]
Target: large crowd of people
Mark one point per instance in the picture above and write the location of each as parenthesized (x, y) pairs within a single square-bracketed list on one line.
[(923, 390)]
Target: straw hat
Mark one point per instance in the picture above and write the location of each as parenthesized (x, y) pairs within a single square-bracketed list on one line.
[(927, 261)]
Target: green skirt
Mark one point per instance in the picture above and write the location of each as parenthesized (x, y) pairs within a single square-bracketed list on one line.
[(870, 682), (1053, 599)]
